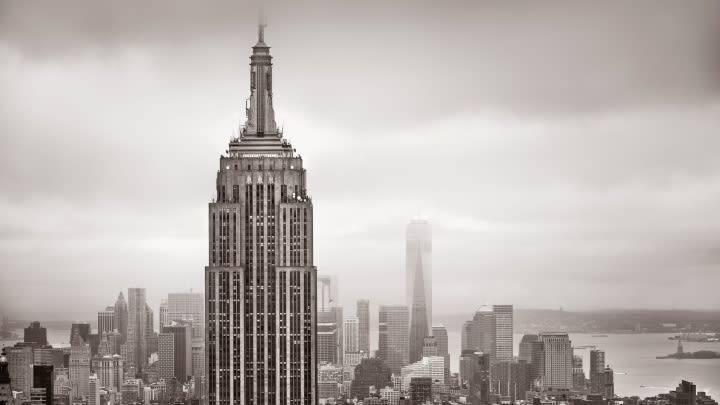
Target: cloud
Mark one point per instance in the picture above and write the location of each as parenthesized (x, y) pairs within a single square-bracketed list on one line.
[(562, 147)]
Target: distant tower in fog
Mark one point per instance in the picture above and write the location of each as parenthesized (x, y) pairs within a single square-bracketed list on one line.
[(136, 329), (121, 317), (418, 287), (363, 314)]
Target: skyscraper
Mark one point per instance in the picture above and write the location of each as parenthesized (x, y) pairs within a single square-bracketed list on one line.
[(109, 369), (106, 320), (418, 266), (20, 361), (608, 383), (441, 337), (121, 317), (351, 331), (188, 306), (79, 366), (149, 321), (35, 334), (578, 373), (330, 321), (166, 355), (363, 314), (393, 336), (327, 338), (526, 346), (93, 397), (503, 332), (558, 360), (82, 330), (163, 313), (260, 283), (479, 383), (136, 332), (327, 293), (182, 349), (597, 366), (482, 330)]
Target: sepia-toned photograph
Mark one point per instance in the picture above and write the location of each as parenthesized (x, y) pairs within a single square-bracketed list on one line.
[(232, 202)]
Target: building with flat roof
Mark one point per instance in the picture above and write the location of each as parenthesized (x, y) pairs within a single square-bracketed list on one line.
[(393, 336)]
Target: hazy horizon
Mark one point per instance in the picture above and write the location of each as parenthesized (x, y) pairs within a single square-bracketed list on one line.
[(565, 153)]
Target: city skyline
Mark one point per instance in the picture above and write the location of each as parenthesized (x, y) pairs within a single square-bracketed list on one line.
[(567, 184), (587, 181)]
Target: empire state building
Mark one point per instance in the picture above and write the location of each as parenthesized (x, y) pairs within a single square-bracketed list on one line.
[(260, 284)]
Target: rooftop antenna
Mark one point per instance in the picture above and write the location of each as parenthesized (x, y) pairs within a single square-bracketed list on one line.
[(262, 23)]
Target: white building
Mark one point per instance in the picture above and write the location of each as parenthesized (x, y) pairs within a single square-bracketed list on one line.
[(391, 395), (93, 390), (433, 367), (109, 370)]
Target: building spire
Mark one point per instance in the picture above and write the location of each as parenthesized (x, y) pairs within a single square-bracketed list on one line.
[(259, 112), (261, 28)]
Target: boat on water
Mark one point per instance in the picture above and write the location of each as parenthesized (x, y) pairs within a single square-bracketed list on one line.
[(599, 335)]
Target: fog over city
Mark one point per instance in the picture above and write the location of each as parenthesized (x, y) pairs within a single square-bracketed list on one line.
[(566, 153)]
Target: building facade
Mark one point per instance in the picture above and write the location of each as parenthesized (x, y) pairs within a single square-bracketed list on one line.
[(597, 366), (327, 338), (187, 306), (106, 321), (20, 361), (503, 332), (418, 262), (163, 314), (136, 329), (166, 355), (351, 332), (482, 330), (79, 367), (558, 361), (182, 350), (393, 336), (35, 334), (109, 370), (121, 316), (441, 337), (260, 283), (362, 312)]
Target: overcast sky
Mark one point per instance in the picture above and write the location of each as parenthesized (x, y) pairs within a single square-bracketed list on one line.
[(566, 153)]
